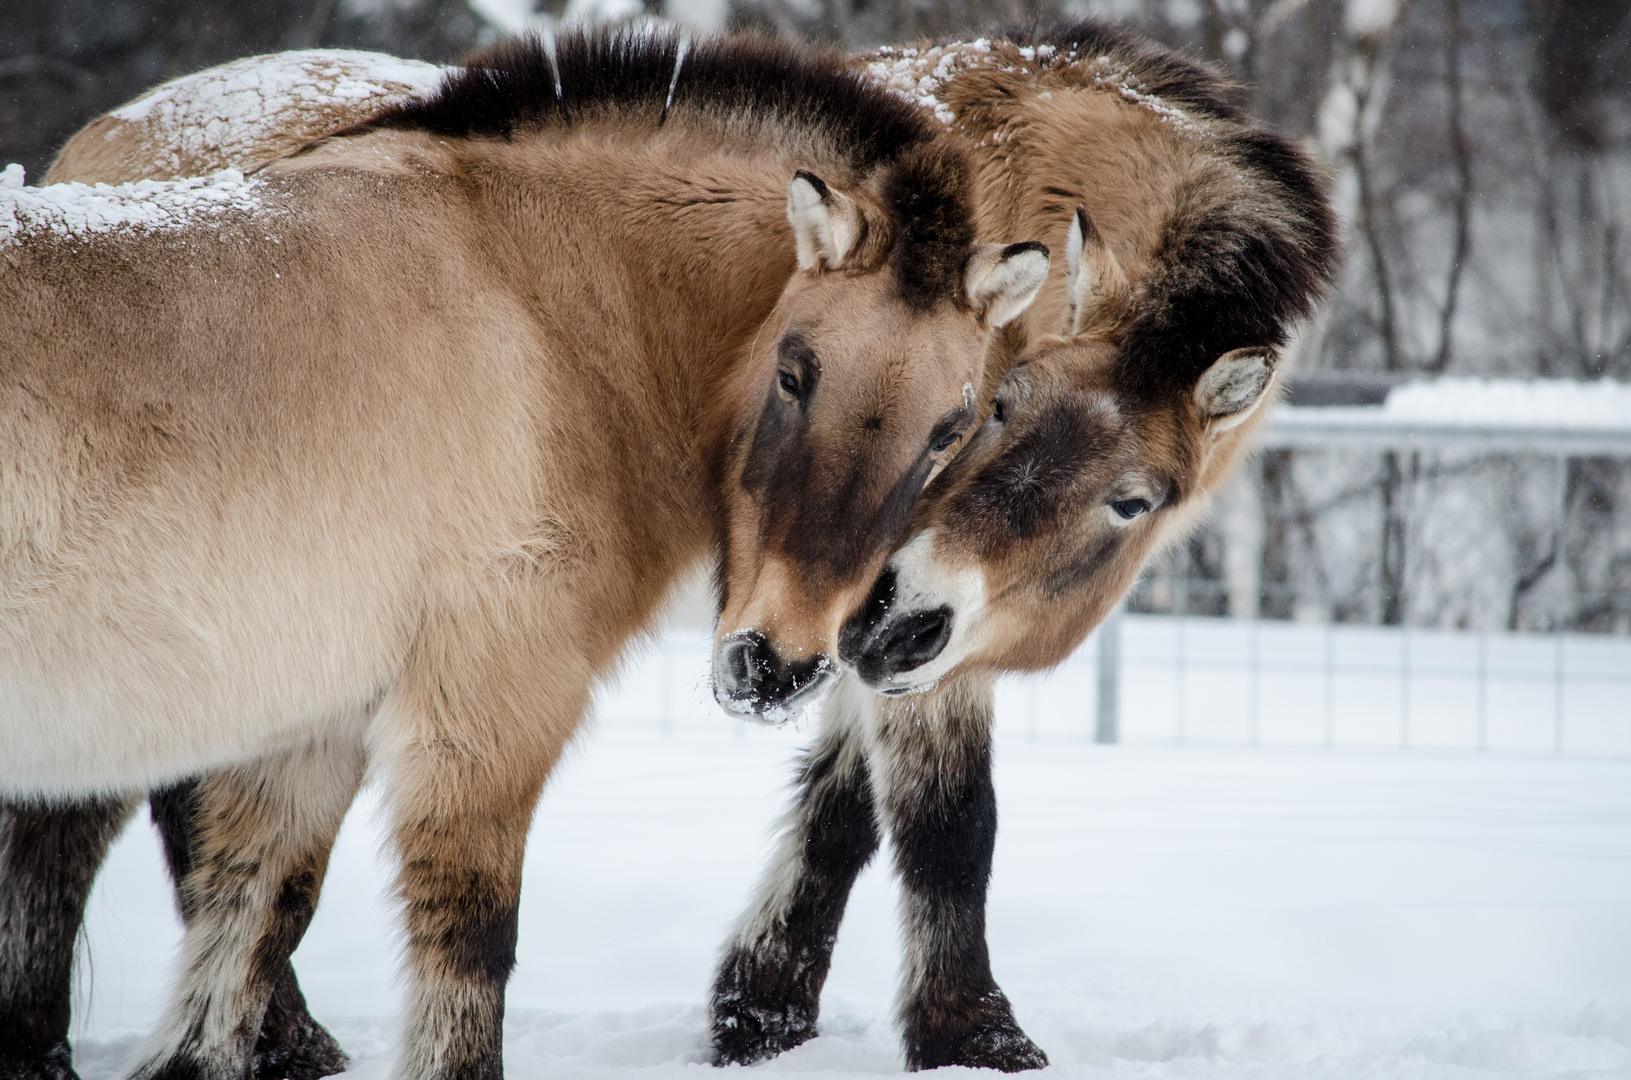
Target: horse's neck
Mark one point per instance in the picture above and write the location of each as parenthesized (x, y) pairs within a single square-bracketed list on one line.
[(678, 254)]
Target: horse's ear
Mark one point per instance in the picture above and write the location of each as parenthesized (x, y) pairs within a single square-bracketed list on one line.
[(1003, 279), (1098, 287), (826, 223), (1233, 387)]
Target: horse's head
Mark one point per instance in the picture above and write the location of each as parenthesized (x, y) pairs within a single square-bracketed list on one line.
[(1046, 516), (858, 389)]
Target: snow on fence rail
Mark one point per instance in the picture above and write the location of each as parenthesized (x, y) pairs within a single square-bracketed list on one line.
[(1551, 416), (1397, 685), (1459, 502)]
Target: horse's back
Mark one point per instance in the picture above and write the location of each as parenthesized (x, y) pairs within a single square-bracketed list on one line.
[(238, 115)]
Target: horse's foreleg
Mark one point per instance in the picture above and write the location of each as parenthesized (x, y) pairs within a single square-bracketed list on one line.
[(476, 724), (291, 1044), (767, 993), (255, 843), (932, 755), (49, 856)]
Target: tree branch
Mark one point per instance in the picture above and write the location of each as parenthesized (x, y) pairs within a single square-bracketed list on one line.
[(1461, 153)]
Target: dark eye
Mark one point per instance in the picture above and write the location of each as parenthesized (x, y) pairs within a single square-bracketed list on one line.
[(789, 383), (1131, 508), (997, 413), (944, 442)]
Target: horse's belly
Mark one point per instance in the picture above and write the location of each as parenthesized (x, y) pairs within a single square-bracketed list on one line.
[(185, 660)]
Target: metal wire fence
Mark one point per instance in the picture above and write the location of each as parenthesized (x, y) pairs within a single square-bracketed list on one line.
[(1237, 682)]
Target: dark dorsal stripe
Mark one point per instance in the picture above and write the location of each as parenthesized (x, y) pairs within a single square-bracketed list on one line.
[(1224, 277), (517, 86)]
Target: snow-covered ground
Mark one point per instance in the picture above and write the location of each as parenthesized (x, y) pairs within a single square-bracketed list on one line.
[(1155, 912)]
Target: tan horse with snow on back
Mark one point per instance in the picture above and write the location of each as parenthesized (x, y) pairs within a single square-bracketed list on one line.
[(1053, 120), (1194, 241), (396, 445)]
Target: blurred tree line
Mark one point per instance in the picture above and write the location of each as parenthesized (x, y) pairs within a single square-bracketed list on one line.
[(65, 62), (1480, 152)]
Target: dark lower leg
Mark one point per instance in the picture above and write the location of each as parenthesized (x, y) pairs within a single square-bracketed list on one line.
[(767, 993), (49, 856), (251, 844), (291, 1045), (941, 810)]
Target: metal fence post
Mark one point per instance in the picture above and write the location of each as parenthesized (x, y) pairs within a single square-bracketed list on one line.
[(1107, 725)]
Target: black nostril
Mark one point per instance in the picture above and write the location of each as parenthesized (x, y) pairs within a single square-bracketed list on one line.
[(737, 664), (745, 658), (907, 644)]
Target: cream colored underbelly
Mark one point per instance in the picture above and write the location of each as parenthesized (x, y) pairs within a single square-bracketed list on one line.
[(132, 673)]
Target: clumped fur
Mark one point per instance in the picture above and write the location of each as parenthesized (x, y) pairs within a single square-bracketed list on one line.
[(1161, 72), (1226, 272)]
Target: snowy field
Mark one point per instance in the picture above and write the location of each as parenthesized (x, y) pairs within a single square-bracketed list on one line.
[(1156, 911)]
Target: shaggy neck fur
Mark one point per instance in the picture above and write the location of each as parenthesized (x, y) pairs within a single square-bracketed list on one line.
[(1223, 227)]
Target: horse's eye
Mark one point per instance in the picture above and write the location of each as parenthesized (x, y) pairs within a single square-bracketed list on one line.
[(789, 384), (997, 413), (944, 442), (1131, 508)]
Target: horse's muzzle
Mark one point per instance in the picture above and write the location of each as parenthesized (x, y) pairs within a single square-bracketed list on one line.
[(752, 679), (881, 645)]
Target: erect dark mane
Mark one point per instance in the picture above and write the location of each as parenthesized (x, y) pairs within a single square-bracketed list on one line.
[(1227, 273), (928, 194), (1234, 275), (519, 86)]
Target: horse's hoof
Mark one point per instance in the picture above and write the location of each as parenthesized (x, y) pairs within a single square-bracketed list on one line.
[(1005, 1049), (292, 1045), (749, 1020), (746, 1038), (55, 1063), (986, 1037), (314, 1057)]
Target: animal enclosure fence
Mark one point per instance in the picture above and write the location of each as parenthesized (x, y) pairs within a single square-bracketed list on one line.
[(1201, 680), (1200, 657)]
